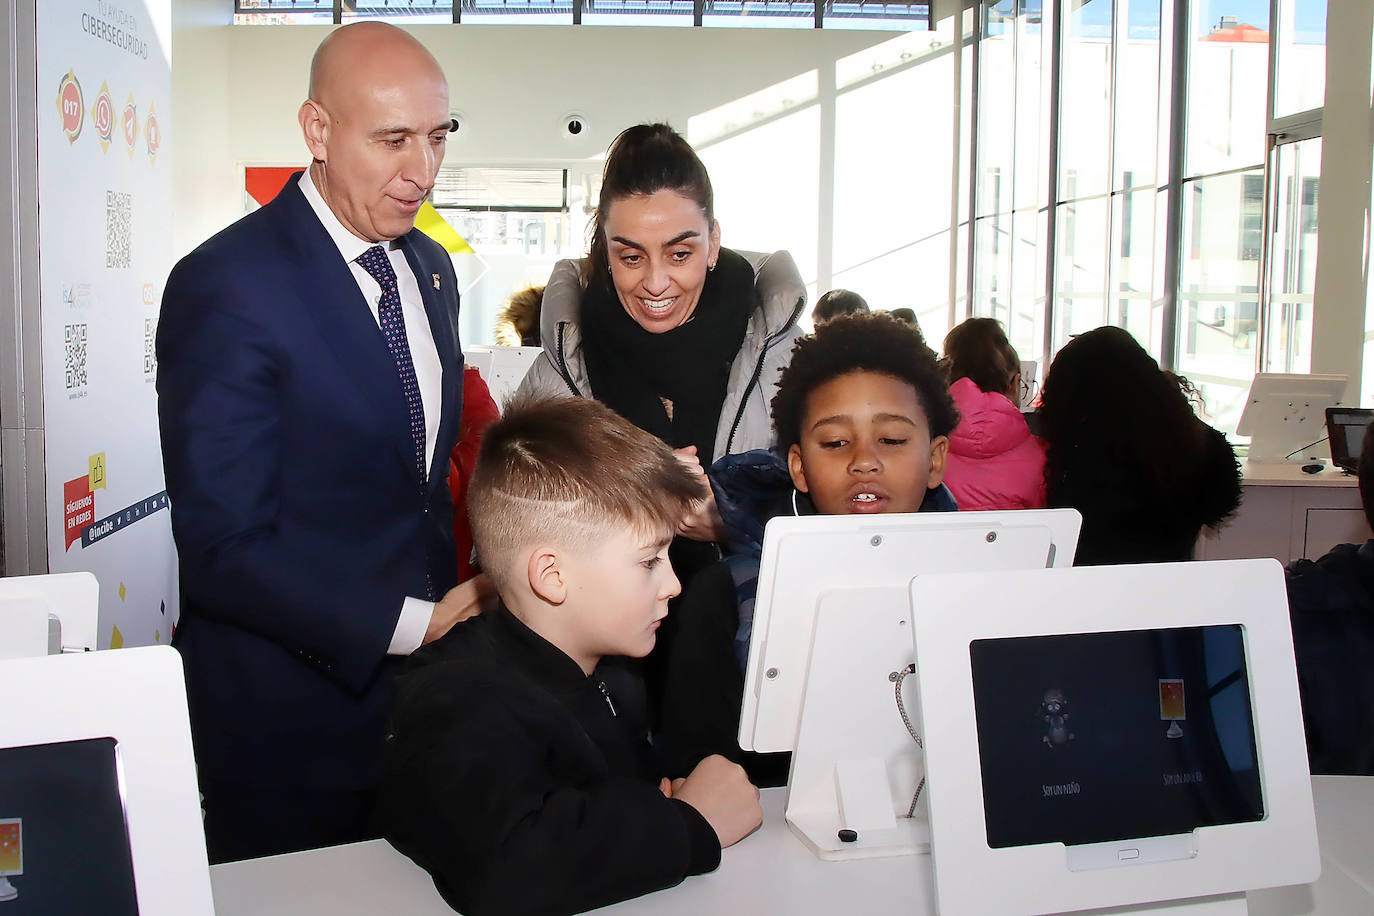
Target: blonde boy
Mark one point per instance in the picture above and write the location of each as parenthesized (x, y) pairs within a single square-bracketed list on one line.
[(519, 772)]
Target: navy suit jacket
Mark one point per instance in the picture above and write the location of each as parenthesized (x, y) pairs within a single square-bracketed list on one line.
[(297, 509)]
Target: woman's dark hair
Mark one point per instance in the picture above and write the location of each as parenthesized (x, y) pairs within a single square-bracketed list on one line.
[(643, 160), (865, 342), (838, 302), (979, 350), (1105, 399)]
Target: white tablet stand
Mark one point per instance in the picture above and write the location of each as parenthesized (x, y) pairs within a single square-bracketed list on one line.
[(803, 558), (138, 698), (35, 609), (1285, 413), (857, 766), (1219, 863)]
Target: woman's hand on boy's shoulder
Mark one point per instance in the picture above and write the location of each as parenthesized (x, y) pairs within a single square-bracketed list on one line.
[(703, 522)]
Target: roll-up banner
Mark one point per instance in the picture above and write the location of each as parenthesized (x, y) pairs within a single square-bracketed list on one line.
[(104, 230)]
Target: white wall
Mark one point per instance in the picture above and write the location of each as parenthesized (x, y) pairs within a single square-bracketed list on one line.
[(206, 196), (238, 89)]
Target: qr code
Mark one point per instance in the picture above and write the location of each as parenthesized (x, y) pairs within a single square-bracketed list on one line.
[(119, 211), (149, 347), (74, 337)]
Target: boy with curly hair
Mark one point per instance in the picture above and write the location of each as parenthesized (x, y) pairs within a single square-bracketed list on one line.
[(863, 416)]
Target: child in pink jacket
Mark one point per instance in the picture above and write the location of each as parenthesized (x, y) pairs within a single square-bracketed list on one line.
[(994, 462)]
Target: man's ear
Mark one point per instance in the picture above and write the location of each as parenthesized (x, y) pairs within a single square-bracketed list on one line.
[(546, 575), (794, 467), (939, 451), (315, 127)]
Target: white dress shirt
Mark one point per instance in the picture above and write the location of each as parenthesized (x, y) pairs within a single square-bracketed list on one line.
[(429, 373)]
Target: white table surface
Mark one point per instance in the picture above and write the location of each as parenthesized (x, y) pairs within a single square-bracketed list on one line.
[(769, 872), (1290, 474)]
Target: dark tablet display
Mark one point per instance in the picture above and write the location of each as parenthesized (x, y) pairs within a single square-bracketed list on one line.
[(62, 806), (1345, 427), (1100, 737)]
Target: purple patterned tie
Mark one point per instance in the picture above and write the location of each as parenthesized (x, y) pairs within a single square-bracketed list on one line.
[(378, 265)]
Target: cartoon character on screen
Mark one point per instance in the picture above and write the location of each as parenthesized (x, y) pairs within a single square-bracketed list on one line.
[(1054, 710)]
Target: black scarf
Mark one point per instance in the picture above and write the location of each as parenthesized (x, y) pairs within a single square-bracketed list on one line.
[(633, 371)]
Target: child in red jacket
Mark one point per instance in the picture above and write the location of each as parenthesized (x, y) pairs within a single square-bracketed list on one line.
[(994, 461), (479, 412)]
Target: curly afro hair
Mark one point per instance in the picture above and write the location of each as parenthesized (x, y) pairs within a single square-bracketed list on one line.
[(874, 342)]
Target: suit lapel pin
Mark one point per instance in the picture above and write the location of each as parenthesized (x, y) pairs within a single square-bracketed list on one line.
[(436, 280)]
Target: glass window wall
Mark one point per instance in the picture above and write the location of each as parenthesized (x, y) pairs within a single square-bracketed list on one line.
[(1292, 262), (1218, 299), (894, 180), (1011, 195), (1300, 56), (1014, 161)]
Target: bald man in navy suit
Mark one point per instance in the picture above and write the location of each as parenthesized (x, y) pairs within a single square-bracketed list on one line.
[(309, 386)]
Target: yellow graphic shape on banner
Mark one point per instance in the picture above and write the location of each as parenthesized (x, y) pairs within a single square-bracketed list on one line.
[(157, 636), (121, 591), (98, 471), (117, 638), (436, 227)]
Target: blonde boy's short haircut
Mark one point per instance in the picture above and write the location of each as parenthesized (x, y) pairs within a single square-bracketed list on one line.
[(568, 472)]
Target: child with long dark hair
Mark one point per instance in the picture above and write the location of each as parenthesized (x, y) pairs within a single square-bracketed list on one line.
[(1125, 449)]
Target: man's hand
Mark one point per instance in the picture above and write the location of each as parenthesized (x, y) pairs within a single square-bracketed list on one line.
[(474, 596), (703, 521), (723, 794)]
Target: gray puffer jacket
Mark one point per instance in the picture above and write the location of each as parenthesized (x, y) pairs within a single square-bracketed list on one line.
[(745, 419)]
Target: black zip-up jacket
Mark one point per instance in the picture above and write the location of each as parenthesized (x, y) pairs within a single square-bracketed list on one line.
[(1331, 602), (524, 786)]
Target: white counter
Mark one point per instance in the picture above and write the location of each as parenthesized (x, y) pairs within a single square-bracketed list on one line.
[(769, 872), (1288, 514)]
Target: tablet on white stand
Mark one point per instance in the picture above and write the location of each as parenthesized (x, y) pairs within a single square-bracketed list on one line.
[(1285, 413), (98, 786), (1113, 737), (27, 603), (831, 638)]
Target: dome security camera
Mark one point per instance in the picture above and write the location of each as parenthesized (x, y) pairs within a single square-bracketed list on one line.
[(457, 121), (574, 125)]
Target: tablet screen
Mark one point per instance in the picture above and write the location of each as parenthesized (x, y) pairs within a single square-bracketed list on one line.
[(64, 842), (1346, 429), (1100, 737)]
